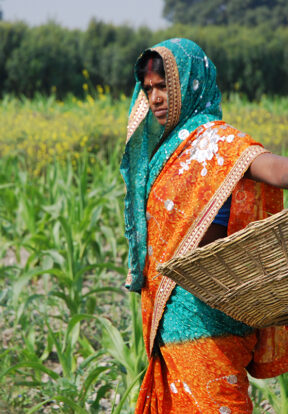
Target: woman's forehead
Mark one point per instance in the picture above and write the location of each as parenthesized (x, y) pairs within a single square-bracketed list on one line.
[(154, 77)]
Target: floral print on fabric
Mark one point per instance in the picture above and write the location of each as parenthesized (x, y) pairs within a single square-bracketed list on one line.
[(205, 147)]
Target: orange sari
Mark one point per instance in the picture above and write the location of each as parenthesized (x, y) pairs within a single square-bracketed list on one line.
[(206, 375), (188, 170)]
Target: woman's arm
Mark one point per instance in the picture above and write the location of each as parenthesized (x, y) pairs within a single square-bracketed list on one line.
[(270, 169)]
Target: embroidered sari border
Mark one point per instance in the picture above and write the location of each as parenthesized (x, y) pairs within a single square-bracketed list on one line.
[(198, 229), (128, 278), (138, 113), (173, 87)]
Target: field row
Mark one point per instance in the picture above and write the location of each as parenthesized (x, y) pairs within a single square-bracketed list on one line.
[(44, 129)]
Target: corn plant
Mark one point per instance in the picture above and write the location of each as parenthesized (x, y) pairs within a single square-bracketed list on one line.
[(130, 356), (71, 249), (270, 395)]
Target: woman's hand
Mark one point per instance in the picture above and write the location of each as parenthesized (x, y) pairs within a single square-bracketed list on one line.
[(270, 169)]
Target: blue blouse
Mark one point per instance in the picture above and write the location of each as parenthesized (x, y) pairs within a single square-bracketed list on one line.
[(224, 213)]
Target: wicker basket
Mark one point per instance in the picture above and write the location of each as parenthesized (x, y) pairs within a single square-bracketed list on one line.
[(244, 275)]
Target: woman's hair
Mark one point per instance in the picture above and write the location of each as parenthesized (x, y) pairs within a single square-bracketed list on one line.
[(150, 61)]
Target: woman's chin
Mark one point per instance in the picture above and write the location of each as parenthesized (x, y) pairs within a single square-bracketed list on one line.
[(162, 120)]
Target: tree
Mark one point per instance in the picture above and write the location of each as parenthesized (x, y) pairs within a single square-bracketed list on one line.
[(225, 12), (109, 53), (47, 58), (11, 36)]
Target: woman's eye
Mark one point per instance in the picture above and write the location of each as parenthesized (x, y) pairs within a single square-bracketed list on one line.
[(147, 89)]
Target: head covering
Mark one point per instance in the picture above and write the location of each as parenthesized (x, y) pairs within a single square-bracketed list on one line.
[(193, 99)]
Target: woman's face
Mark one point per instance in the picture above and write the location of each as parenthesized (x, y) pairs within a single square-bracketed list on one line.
[(155, 87)]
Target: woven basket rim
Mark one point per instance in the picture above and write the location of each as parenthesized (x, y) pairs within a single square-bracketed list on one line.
[(252, 230)]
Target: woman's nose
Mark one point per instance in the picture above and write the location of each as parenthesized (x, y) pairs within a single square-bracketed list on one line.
[(155, 96)]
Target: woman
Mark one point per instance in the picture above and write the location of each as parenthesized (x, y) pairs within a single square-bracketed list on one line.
[(191, 179)]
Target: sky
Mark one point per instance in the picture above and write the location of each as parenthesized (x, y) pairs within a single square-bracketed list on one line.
[(77, 13)]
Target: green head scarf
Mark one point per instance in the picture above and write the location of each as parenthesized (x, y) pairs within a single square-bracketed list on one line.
[(193, 99)]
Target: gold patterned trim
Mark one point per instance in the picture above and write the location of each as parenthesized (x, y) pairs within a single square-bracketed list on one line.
[(128, 278), (199, 228), (138, 113), (173, 88)]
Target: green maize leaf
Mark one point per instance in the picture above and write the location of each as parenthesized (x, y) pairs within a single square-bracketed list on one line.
[(56, 233), (23, 280), (266, 390), (116, 346), (283, 383), (64, 358), (48, 348), (31, 384), (126, 394), (36, 407), (54, 210), (87, 349), (78, 409), (32, 298), (100, 394), (7, 352), (103, 266), (73, 336), (90, 359), (70, 304), (74, 321), (114, 400), (8, 185), (70, 248), (34, 365), (122, 270), (91, 379), (61, 275), (110, 237), (111, 289), (55, 255)]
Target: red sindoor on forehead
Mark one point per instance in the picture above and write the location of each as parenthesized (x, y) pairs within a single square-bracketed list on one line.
[(150, 65)]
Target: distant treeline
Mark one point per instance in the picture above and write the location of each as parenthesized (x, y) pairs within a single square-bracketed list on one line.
[(51, 58)]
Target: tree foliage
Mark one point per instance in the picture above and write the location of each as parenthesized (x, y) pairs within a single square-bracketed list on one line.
[(253, 61), (11, 36), (109, 53), (226, 12), (47, 57)]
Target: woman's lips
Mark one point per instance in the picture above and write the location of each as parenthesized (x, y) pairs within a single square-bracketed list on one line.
[(159, 113)]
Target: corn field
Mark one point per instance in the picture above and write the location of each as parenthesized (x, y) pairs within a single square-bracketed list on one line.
[(71, 335)]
